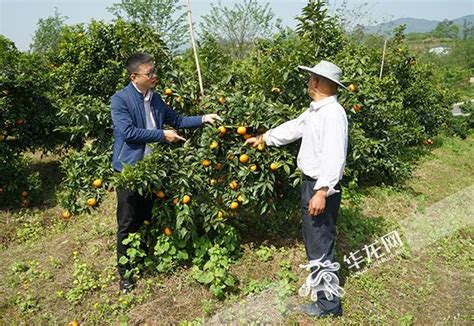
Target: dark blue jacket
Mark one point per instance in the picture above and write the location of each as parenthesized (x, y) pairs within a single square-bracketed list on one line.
[(130, 133)]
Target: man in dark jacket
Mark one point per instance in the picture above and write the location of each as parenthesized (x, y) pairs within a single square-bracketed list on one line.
[(138, 116)]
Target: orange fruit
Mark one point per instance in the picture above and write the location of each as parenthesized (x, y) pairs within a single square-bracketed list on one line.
[(234, 185), (240, 198), (160, 194), (168, 92), (220, 215), (66, 214), (234, 205), (146, 222), (241, 130), (168, 231), (214, 144), (218, 166), (175, 201), (273, 166), (221, 100), (213, 182), (247, 136), (91, 202), (352, 88), (74, 322), (186, 199), (253, 167), (276, 90), (356, 107), (261, 147), (222, 130), (206, 163), (24, 194), (97, 183), (244, 158)]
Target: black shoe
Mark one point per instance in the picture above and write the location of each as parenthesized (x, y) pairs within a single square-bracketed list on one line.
[(126, 286), (313, 310)]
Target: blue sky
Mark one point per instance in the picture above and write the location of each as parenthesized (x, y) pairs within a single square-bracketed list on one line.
[(18, 18)]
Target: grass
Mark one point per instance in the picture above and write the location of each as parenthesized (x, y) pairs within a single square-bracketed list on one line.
[(55, 271)]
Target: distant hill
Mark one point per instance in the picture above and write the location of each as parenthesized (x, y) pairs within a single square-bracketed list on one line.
[(414, 25)]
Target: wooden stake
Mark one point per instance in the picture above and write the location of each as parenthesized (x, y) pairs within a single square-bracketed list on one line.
[(383, 57), (196, 58)]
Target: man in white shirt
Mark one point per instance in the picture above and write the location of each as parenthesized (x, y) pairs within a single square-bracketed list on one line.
[(322, 155)]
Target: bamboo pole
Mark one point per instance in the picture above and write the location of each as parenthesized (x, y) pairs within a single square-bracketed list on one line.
[(383, 58), (196, 58)]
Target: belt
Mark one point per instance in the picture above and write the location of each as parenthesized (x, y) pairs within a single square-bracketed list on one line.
[(308, 178)]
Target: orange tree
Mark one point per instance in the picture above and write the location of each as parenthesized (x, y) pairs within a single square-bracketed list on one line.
[(86, 70), (27, 121)]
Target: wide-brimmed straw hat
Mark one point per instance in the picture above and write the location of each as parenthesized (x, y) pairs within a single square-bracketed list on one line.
[(326, 69)]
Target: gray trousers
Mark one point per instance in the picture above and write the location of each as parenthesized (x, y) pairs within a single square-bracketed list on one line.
[(319, 234)]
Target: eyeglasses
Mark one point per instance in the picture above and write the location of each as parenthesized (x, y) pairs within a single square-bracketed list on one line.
[(148, 74)]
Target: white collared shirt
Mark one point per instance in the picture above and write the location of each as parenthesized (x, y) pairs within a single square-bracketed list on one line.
[(323, 129), (150, 121)]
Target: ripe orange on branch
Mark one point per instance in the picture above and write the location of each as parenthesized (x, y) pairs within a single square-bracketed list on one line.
[(160, 194), (97, 183), (234, 205), (186, 199), (234, 185), (274, 166), (168, 231), (206, 162), (352, 88), (168, 92), (241, 130), (91, 202), (244, 158), (214, 144)]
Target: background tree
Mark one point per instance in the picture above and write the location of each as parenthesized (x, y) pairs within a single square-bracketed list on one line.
[(47, 34), (446, 28), (467, 30), (240, 26), (165, 16)]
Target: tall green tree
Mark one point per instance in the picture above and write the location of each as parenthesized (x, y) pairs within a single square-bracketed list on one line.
[(240, 26), (48, 32), (446, 28), (166, 16)]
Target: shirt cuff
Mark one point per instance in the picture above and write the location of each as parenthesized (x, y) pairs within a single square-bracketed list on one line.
[(265, 138), (331, 191)]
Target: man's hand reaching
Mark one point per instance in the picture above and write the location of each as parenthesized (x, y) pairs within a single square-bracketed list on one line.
[(255, 141), (210, 118), (171, 136)]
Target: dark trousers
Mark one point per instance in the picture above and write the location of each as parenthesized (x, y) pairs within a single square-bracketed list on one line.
[(132, 210), (319, 234)]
